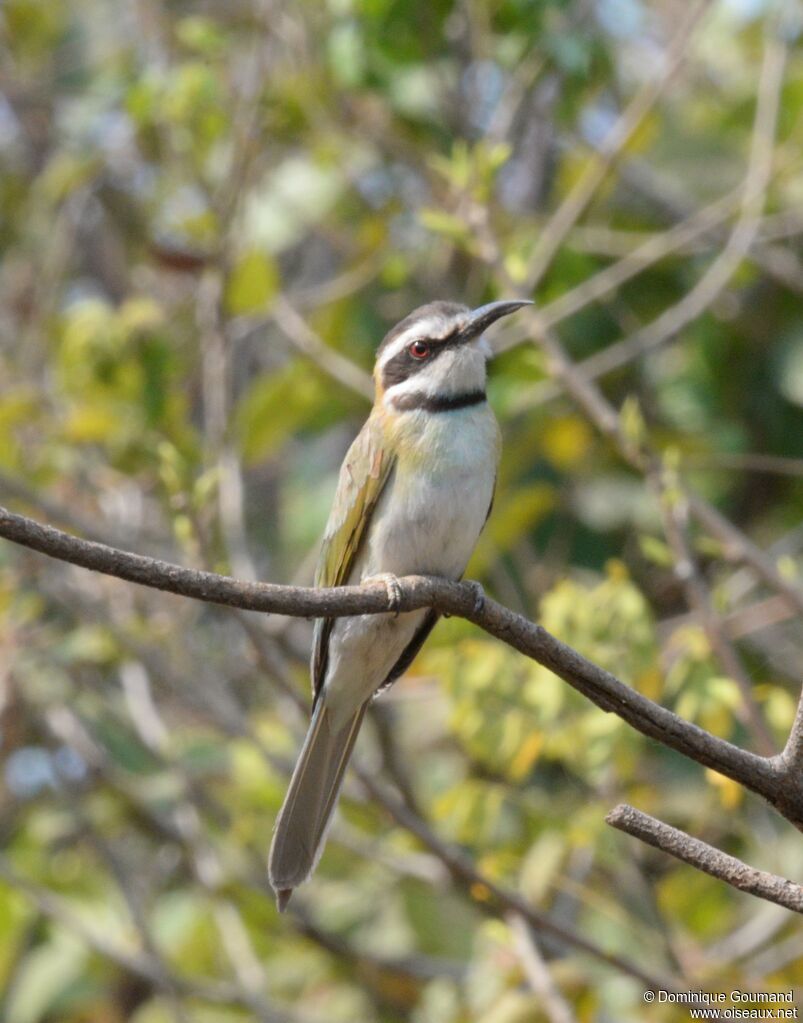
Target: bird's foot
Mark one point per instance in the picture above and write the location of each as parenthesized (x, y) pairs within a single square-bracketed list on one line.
[(479, 596), (393, 588)]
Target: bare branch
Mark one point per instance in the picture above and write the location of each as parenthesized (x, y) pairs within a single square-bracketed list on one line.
[(792, 755), (576, 202), (537, 972), (704, 293), (706, 858), (295, 327), (675, 515), (768, 778), (487, 892), (652, 250)]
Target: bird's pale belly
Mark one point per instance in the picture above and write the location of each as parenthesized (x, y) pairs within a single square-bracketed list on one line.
[(425, 523), (428, 527), (433, 510)]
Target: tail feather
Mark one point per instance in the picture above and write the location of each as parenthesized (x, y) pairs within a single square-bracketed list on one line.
[(304, 818)]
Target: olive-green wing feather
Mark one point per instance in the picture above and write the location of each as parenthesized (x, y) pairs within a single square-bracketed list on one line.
[(363, 475)]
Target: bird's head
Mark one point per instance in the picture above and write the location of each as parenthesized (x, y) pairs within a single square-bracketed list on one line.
[(437, 354)]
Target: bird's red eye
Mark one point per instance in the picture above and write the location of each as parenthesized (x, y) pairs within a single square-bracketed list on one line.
[(419, 349)]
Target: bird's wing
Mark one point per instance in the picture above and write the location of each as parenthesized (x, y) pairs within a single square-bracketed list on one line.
[(410, 652), (491, 505), (363, 475)]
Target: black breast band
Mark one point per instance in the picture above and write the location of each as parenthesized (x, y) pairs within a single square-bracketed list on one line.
[(437, 402)]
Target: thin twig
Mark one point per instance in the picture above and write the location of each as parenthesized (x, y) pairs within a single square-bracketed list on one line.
[(705, 292), (793, 751), (773, 465), (766, 777), (217, 399), (675, 514), (706, 858), (670, 323), (12, 488), (738, 547), (575, 203), (296, 328), (140, 964), (537, 972), (487, 892), (655, 248)]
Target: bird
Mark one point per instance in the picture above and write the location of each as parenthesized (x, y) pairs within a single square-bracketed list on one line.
[(414, 492)]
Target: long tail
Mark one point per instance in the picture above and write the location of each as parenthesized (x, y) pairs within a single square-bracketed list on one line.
[(300, 832)]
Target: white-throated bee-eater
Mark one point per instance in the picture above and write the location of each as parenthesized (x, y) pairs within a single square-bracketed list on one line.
[(414, 493)]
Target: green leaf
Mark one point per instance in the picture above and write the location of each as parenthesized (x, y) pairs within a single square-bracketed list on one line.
[(46, 973), (252, 283), (440, 222), (201, 34), (656, 550), (280, 403)]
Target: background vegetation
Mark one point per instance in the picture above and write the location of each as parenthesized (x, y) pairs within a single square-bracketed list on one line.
[(210, 213)]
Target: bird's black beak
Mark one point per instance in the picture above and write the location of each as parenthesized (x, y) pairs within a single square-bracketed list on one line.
[(483, 317)]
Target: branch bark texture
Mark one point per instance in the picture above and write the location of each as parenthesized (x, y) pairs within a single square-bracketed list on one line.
[(706, 858), (769, 777)]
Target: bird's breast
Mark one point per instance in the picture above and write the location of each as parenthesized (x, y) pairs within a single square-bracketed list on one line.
[(436, 502)]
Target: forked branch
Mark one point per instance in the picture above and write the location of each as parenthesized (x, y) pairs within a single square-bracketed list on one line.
[(769, 777)]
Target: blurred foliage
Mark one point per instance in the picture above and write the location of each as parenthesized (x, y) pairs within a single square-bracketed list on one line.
[(171, 176)]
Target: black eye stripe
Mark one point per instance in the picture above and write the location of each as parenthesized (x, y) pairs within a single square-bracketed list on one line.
[(404, 365), (444, 312)]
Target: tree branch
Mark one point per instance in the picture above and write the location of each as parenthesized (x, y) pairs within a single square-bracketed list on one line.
[(675, 514), (597, 167), (793, 751), (673, 320), (556, 1008), (293, 326), (295, 601), (139, 963), (706, 858), (487, 892), (767, 777)]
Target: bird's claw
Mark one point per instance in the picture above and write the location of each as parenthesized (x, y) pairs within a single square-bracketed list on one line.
[(479, 596), (393, 589)]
